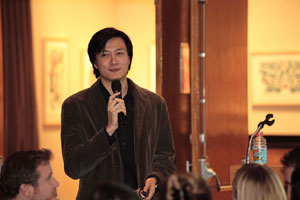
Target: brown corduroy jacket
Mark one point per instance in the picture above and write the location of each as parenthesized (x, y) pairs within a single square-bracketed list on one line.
[(89, 157)]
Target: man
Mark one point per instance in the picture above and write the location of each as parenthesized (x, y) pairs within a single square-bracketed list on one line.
[(295, 182), (27, 175), (106, 138), (289, 161)]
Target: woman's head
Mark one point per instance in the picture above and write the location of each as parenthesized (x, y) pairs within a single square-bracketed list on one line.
[(257, 182)]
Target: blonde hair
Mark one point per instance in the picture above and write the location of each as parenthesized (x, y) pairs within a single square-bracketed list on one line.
[(184, 186), (257, 182)]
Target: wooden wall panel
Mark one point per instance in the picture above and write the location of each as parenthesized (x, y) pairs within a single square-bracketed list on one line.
[(175, 26), (226, 82)]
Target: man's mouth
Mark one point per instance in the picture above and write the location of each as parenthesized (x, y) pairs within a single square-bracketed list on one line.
[(114, 70)]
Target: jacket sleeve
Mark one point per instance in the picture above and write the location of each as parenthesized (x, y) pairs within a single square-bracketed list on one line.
[(164, 158), (81, 153)]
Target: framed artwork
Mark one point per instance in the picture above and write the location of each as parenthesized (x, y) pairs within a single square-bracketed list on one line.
[(276, 79), (55, 64)]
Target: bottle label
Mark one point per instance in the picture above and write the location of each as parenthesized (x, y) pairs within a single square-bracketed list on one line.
[(260, 155)]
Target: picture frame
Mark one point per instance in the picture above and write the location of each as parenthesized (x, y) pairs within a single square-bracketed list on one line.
[(275, 79), (55, 64)]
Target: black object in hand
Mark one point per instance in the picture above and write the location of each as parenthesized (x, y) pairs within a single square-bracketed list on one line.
[(143, 194), (117, 87)]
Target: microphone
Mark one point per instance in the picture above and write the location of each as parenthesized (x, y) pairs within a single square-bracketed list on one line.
[(117, 87)]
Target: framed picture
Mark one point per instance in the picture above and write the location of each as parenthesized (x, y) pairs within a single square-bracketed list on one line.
[(276, 79), (55, 64)]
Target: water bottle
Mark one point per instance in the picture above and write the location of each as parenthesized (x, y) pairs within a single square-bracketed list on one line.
[(259, 148)]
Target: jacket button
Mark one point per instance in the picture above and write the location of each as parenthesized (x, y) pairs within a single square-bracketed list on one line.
[(117, 165), (103, 152)]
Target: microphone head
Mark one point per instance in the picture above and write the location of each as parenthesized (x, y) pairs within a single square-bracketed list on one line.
[(116, 86)]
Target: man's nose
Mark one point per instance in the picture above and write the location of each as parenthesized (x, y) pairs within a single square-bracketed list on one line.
[(55, 182), (114, 59)]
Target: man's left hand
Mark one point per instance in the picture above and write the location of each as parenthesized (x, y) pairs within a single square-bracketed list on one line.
[(150, 186)]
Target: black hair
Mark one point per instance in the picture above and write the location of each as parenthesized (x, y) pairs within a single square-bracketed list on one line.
[(295, 182), (99, 40), (291, 158)]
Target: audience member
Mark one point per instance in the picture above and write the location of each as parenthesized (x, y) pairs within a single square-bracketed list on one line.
[(113, 191), (257, 182), (185, 186), (295, 183), (289, 161), (27, 175)]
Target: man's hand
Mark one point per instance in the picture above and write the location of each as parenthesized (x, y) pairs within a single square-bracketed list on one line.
[(150, 186), (114, 107)]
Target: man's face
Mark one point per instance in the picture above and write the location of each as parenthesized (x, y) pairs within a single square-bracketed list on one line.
[(47, 184), (113, 62), (287, 180)]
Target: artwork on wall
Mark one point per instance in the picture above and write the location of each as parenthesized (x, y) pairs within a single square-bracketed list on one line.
[(276, 78), (55, 63)]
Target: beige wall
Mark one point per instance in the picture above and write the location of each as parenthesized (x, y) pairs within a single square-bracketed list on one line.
[(273, 27), (76, 21)]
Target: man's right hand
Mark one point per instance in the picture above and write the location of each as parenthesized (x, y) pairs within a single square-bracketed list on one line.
[(114, 107)]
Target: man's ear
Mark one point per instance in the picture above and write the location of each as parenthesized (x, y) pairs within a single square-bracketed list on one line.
[(26, 190), (95, 66)]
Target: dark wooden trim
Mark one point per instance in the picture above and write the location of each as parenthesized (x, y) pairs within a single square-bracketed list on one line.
[(279, 141), (1, 89), (195, 89), (159, 46), (283, 141)]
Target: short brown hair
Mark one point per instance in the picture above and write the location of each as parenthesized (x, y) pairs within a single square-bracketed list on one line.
[(20, 168)]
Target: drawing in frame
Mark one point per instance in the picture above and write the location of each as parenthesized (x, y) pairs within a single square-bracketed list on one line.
[(55, 64), (276, 79)]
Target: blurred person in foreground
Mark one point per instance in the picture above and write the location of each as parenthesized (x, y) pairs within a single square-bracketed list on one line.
[(27, 175), (257, 182), (295, 183), (113, 191), (289, 161), (185, 186), (120, 134)]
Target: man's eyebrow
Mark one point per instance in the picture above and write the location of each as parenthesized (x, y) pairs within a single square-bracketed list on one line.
[(123, 49)]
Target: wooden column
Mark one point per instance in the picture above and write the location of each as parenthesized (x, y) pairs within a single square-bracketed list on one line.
[(195, 86), (1, 89), (226, 83), (158, 46)]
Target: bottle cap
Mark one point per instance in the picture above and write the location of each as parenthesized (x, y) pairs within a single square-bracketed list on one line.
[(260, 134)]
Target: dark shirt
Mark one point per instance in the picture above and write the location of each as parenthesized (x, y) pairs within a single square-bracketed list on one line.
[(125, 138)]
